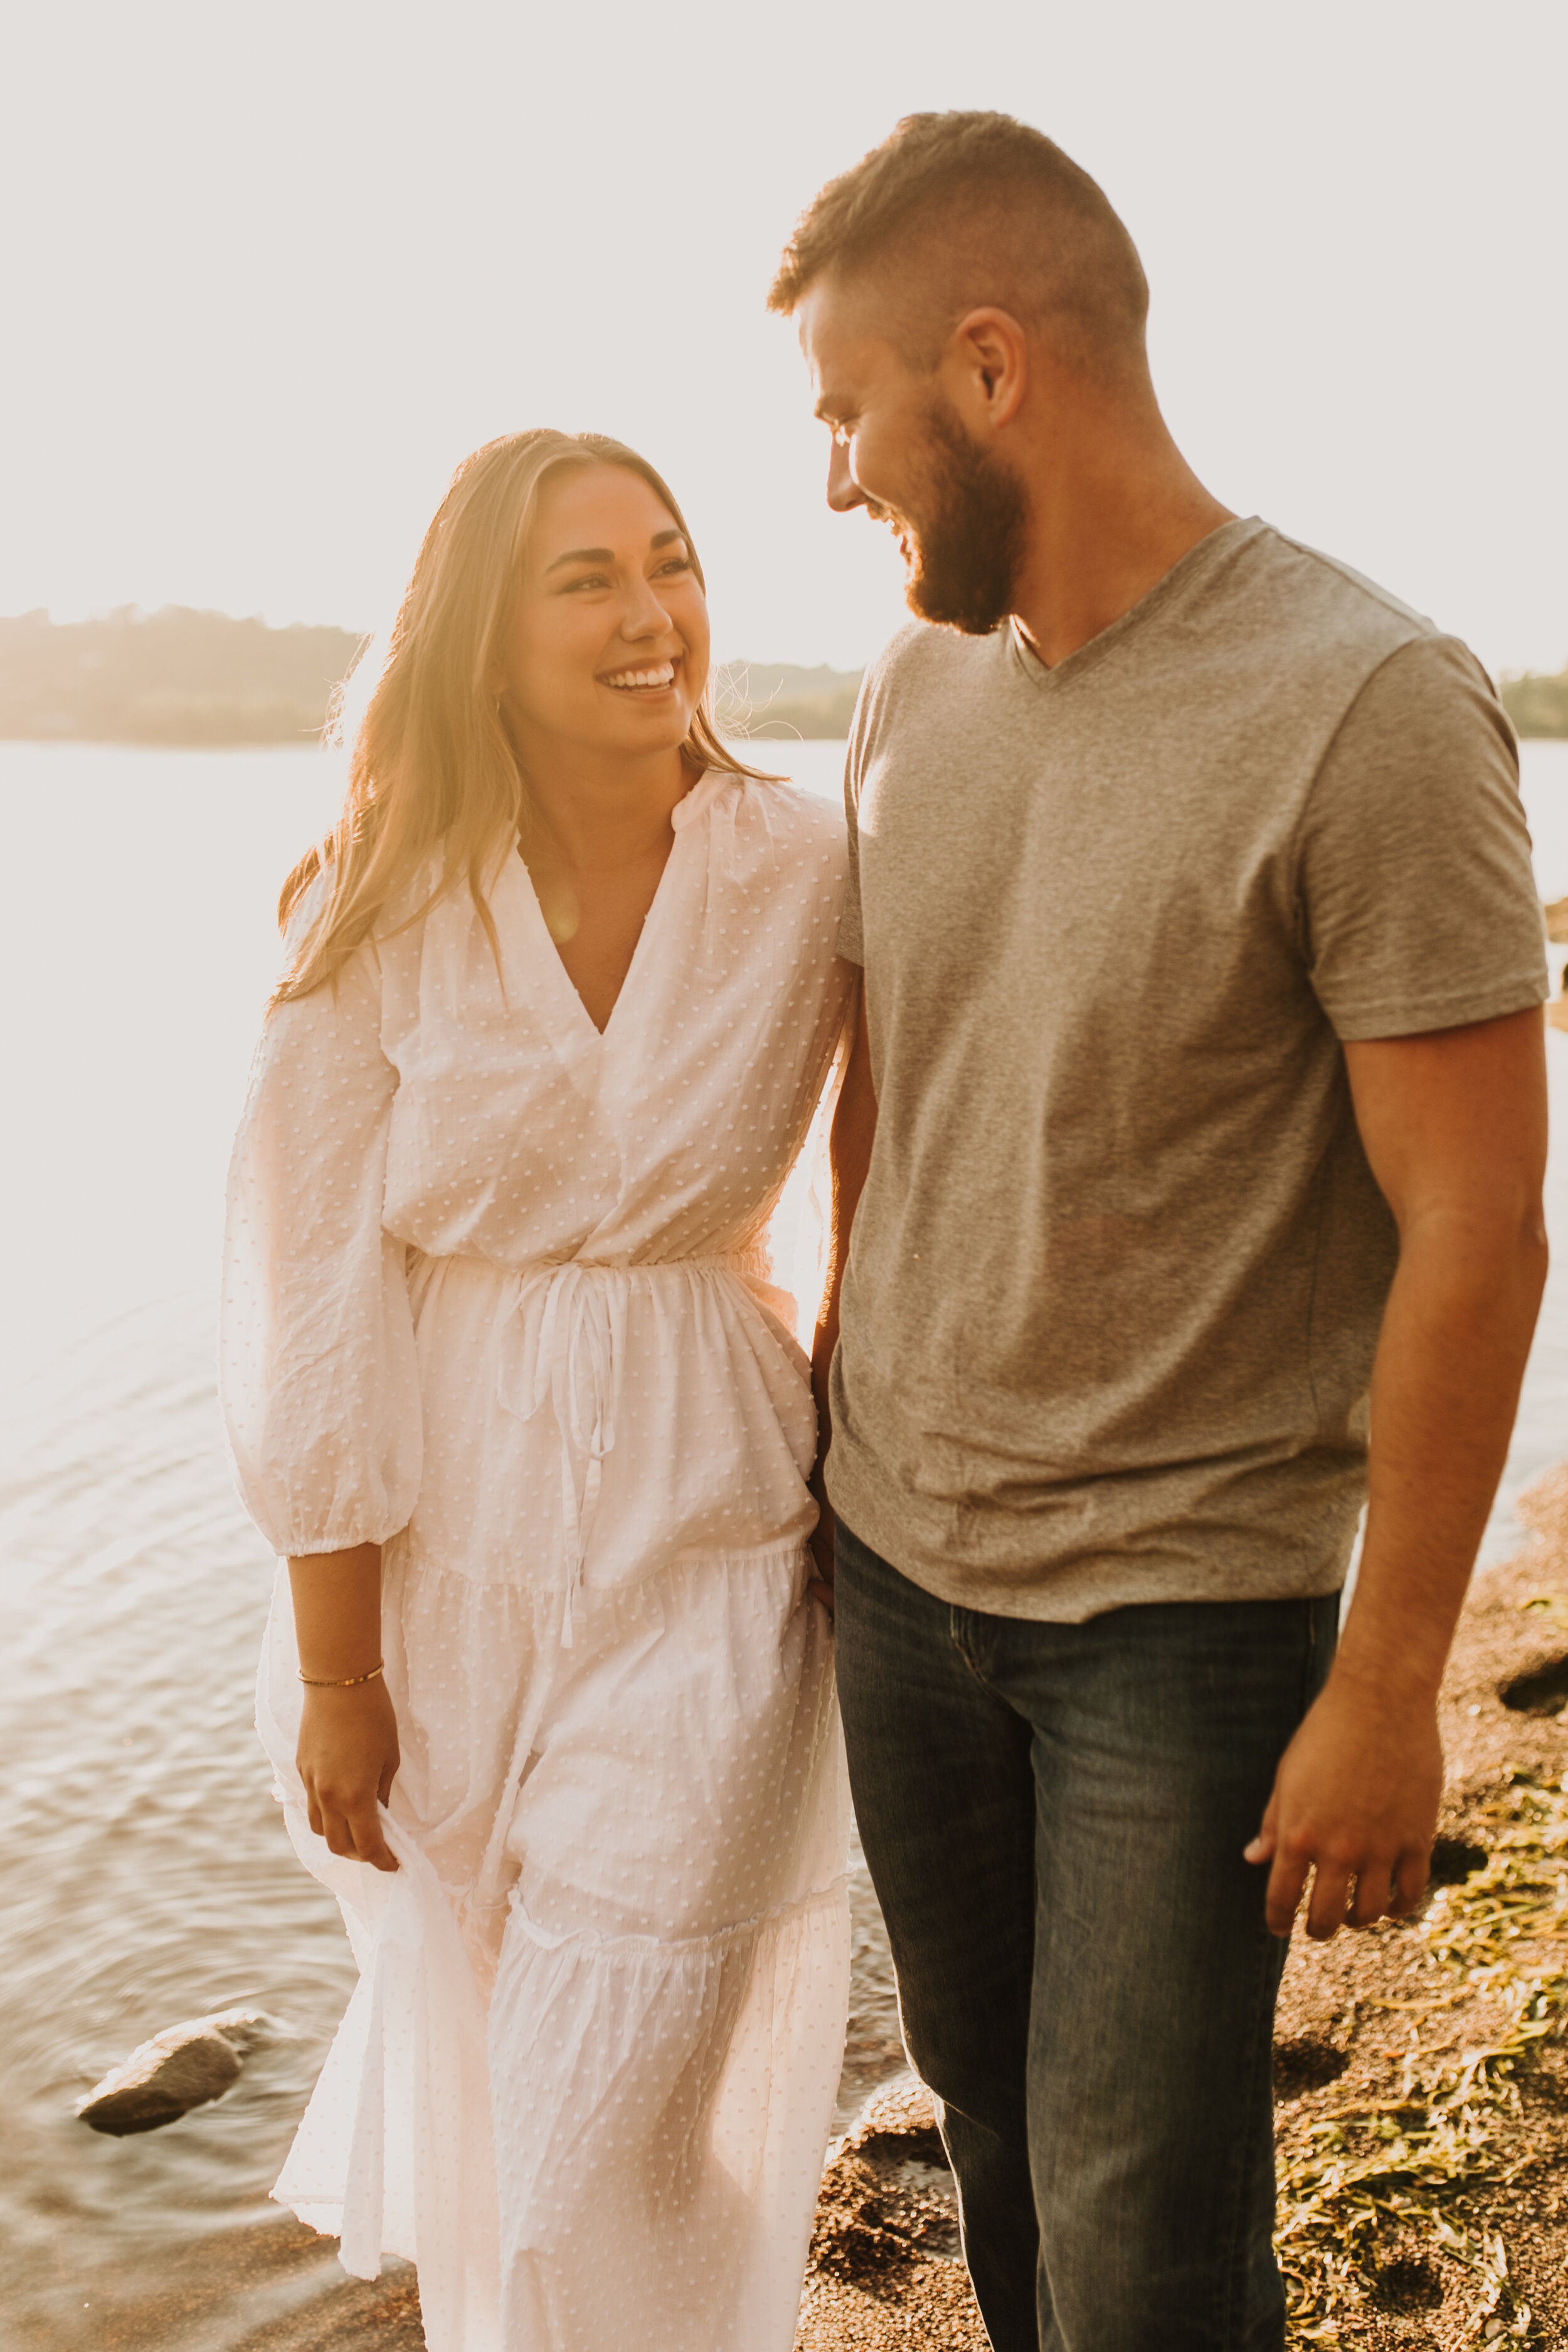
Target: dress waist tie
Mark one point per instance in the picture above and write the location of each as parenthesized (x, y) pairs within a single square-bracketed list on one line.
[(582, 1334)]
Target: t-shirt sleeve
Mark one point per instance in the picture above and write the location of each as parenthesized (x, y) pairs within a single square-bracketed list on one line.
[(1416, 895)]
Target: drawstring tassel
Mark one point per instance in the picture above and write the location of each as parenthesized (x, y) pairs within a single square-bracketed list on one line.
[(574, 1371), (599, 1446)]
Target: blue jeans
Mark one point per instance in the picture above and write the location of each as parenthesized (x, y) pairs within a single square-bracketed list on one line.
[(1054, 1818)]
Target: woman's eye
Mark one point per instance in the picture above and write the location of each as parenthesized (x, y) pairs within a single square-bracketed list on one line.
[(677, 564), (589, 580)]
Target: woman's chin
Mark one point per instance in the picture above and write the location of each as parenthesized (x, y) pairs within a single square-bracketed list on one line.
[(660, 723), (624, 730)]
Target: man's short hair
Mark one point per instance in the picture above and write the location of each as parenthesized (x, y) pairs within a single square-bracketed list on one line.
[(957, 211)]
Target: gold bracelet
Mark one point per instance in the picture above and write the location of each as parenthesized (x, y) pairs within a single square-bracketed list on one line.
[(349, 1682)]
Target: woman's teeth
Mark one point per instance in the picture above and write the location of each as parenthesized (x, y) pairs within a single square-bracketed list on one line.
[(663, 676)]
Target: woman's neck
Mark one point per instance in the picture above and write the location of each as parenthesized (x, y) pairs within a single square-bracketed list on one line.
[(598, 816)]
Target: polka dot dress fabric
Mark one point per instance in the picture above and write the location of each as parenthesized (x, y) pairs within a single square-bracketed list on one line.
[(501, 1295)]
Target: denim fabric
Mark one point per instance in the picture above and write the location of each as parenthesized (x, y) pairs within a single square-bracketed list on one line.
[(1054, 1817)]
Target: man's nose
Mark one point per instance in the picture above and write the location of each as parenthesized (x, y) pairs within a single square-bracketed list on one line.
[(844, 492)]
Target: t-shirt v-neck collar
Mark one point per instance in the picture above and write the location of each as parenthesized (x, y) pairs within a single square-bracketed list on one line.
[(1186, 577)]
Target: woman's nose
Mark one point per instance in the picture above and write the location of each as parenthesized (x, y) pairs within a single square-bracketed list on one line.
[(645, 616)]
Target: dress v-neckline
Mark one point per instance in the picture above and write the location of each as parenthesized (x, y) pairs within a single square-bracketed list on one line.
[(577, 1017)]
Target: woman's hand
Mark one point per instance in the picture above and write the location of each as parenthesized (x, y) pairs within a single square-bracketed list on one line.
[(348, 1734), (348, 1759)]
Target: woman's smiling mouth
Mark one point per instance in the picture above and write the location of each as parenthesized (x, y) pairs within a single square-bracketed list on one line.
[(651, 680)]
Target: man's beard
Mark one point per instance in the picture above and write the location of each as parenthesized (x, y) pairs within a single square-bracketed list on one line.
[(967, 553)]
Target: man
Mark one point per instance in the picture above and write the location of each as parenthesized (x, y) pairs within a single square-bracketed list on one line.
[(1202, 1049)]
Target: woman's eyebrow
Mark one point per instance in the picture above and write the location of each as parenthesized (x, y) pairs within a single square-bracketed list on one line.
[(582, 555), (607, 554)]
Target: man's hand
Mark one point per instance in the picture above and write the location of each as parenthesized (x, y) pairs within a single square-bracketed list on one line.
[(348, 1759), (1356, 1804)]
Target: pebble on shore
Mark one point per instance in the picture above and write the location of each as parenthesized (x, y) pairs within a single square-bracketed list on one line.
[(181, 2068)]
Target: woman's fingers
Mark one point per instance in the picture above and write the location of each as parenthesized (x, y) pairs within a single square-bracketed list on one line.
[(348, 1759), (369, 1839), (353, 1831)]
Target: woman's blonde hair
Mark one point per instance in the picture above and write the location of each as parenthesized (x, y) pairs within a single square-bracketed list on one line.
[(433, 775)]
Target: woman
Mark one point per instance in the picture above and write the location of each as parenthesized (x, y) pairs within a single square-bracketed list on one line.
[(509, 1386)]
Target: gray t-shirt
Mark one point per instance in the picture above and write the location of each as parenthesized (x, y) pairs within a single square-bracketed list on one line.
[(1117, 1275)]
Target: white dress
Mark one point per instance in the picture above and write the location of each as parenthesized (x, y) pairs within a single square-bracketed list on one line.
[(497, 1297)]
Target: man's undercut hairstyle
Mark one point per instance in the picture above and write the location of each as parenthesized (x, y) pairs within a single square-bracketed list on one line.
[(957, 212)]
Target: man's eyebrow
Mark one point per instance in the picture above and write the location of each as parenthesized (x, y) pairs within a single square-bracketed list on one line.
[(606, 554)]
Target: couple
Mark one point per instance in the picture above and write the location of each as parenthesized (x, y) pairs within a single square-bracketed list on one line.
[(1180, 977)]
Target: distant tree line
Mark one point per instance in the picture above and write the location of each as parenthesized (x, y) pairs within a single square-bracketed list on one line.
[(182, 677), (1538, 704), (173, 677), (761, 700)]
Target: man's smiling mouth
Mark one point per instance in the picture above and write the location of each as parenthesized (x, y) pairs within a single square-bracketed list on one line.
[(651, 680), (902, 536)]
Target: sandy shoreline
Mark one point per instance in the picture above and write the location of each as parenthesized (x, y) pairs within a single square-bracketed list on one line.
[(1438, 2263)]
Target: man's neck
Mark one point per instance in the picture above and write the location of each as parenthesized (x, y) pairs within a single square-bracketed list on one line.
[(1114, 506)]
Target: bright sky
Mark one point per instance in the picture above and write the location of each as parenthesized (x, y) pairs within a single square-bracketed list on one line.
[(269, 271)]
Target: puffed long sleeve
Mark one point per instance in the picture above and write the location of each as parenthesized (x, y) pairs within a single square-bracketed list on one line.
[(317, 1366)]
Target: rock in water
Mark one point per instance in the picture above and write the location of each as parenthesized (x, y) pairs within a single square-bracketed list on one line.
[(181, 2068)]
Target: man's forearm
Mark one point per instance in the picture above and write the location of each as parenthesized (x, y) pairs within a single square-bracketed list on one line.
[(849, 1149), (1445, 1382)]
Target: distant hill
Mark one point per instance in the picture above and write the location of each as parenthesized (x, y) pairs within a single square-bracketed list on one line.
[(1538, 704), (179, 676), (173, 677), (759, 699), (182, 677)]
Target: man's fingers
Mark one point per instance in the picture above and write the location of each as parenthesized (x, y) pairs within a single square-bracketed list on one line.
[(1410, 1882), (1286, 1881), (820, 1591), (1327, 1911), (1341, 1896), (1262, 1846), (1373, 1893)]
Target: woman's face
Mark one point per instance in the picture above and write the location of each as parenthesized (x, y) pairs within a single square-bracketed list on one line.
[(607, 650)]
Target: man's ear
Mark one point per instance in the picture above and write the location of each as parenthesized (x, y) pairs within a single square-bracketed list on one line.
[(986, 368)]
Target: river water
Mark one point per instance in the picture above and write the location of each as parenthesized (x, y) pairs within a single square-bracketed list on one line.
[(145, 1876)]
